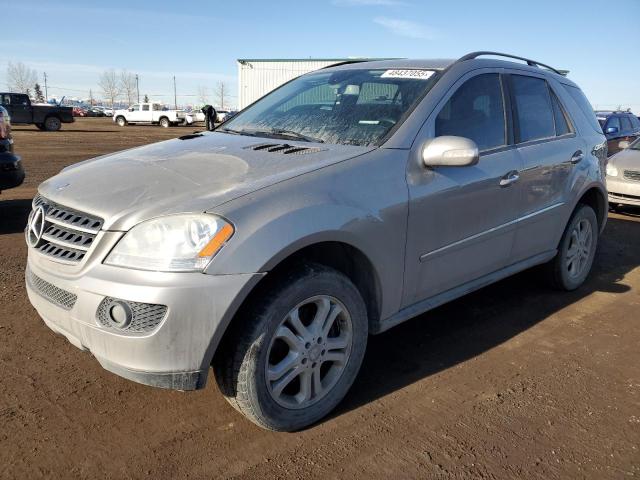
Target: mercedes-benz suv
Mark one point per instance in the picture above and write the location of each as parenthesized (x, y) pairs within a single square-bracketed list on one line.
[(337, 206)]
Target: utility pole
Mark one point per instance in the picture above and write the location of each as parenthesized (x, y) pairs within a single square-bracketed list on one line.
[(175, 97), (137, 88), (91, 97), (46, 93)]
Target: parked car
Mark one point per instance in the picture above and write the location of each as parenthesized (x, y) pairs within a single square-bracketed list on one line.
[(45, 117), (273, 246), (108, 111), (79, 112), (11, 170), (623, 175), (94, 112), (618, 126), (149, 113)]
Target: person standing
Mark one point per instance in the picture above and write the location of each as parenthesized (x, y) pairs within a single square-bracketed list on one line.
[(210, 115)]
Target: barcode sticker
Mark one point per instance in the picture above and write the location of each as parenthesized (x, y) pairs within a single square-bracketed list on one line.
[(415, 74)]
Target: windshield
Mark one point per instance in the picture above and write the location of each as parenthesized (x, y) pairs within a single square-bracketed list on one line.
[(349, 107)]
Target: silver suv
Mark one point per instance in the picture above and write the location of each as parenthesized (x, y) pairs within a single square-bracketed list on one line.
[(341, 204)]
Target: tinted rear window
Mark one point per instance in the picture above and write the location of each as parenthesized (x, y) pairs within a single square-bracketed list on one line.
[(626, 123), (585, 106), (534, 111), (562, 127), (635, 122)]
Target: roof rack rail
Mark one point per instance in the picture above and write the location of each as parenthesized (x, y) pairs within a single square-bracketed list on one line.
[(532, 63)]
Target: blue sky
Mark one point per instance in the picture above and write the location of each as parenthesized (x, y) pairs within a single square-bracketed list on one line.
[(199, 41)]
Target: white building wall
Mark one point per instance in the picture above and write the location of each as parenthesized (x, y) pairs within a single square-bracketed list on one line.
[(258, 77)]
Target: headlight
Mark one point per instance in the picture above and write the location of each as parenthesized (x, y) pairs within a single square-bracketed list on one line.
[(175, 243), (612, 171)]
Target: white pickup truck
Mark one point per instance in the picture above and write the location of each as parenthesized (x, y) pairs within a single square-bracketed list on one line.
[(149, 113)]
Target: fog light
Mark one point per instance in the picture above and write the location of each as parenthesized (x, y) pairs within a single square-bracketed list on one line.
[(120, 314)]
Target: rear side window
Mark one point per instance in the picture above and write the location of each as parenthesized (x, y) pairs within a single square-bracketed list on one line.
[(585, 106), (534, 112), (635, 122), (626, 123), (562, 126), (145, 108), (475, 111)]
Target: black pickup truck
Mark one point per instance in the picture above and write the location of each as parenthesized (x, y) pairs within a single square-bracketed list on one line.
[(45, 117)]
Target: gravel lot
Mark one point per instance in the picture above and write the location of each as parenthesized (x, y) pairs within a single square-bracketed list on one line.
[(513, 381)]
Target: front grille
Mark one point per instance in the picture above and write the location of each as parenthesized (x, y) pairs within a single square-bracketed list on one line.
[(632, 175), (144, 316), (55, 295), (284, 148), (625, 196), (67, 234)]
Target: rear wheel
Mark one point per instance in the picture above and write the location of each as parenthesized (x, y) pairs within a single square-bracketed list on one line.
[(571, 266), (164, 122), (52, 124), (294, 355), (121, 121)]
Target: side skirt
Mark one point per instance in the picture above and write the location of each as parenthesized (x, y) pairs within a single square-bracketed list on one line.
[(432, 302)]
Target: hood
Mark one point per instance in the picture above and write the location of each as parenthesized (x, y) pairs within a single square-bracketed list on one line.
[(193, 174), (627, 159)]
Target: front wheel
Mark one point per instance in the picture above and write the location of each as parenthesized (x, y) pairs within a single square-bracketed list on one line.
[(293, 356), (52, 124), (572, 264), (121, 121)]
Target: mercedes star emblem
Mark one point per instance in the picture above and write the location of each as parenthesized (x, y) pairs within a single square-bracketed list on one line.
[(35, 229)]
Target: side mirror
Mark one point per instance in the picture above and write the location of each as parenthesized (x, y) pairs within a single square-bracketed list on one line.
[(623, 144), (611, 130), (449, 151)]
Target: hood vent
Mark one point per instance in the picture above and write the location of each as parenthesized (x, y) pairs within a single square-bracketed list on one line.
[(284, 148)]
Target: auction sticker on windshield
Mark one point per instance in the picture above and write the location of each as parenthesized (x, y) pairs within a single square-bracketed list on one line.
[(415, 74)]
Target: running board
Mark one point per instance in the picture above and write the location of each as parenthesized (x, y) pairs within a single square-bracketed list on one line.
[(457, 292)]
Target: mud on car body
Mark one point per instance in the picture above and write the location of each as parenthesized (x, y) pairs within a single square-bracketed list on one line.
[(339, 205)]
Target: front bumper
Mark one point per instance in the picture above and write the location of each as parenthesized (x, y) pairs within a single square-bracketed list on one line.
[(177, 353), (622, 191)]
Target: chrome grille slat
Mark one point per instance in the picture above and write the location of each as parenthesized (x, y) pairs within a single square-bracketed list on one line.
[(68, 234), (632, 175)]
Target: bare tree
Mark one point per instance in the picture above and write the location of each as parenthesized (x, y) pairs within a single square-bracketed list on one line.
[(110, 86), (203, 95), (128, 86), (20, 78), (221, 93)]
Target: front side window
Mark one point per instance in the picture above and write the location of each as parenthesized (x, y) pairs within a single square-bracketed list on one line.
[(533, 109), (475, 111), (135, 108), (349, 107), (614, 122), (6, 99)]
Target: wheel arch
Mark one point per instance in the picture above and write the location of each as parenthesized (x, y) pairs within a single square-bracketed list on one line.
[(339, 255), (596, 198)]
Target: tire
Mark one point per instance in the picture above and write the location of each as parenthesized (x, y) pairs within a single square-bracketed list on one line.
[(52, 124), (568, 271), (40, 126), (164, 122), (256, 348), (121, 121)]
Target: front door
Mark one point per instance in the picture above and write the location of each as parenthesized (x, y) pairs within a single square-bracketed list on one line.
[(20, 108), (462, 220)]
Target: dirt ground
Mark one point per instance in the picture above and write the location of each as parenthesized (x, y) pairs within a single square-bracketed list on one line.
[(513, 381)]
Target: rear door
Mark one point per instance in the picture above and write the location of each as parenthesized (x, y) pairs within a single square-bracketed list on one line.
[(145, 113), (550, 149), (462, 219)]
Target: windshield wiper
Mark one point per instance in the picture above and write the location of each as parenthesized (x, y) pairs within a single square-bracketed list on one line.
[(296, 135), (281, 133), (232, 131)]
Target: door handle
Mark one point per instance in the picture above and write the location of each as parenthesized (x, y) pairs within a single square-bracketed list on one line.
[(576, 157), (509, 178)]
